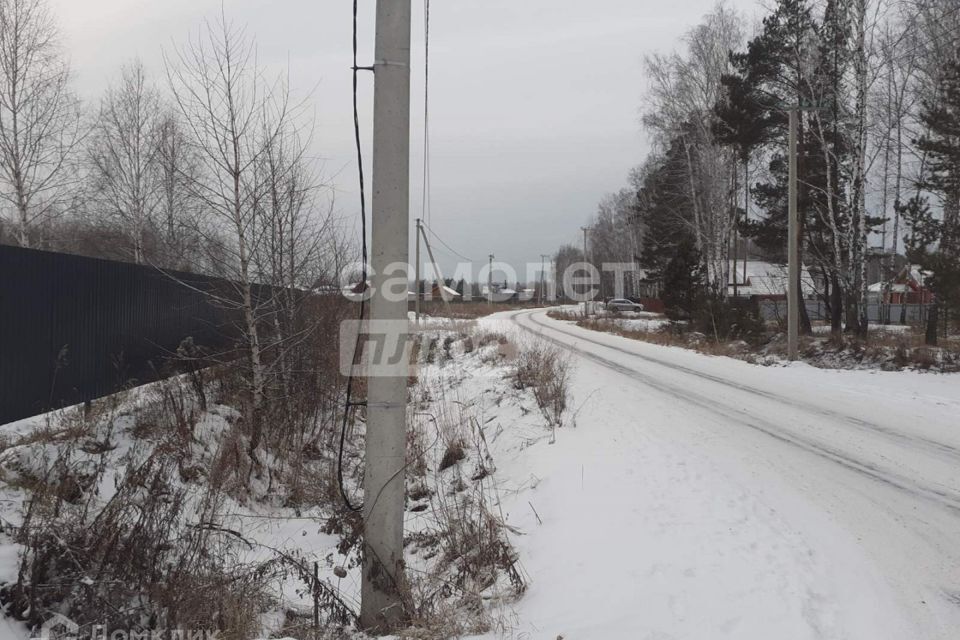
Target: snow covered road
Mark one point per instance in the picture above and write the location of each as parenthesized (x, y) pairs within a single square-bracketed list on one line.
[(704, 497)]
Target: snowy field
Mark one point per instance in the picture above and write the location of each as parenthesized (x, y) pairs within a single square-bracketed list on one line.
[(703, 497), (824, 329), (651, 324)]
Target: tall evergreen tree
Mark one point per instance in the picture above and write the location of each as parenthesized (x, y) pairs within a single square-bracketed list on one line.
[(684, 281), (772, 74), (664, 208), (743, 120), (933, 243), (827, 167)]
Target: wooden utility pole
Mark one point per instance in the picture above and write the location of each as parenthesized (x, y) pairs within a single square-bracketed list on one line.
[(794, 297), (381, 606)]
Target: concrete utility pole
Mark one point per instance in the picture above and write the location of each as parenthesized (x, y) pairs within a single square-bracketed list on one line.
[(490, 282), (794, 298), (381, 604), (416, 285), (587, 304), (543, 278), (438, 277)]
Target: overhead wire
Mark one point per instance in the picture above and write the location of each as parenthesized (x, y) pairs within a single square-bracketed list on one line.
[(358, 345), (425, 196), (440, 240), (349, 404)]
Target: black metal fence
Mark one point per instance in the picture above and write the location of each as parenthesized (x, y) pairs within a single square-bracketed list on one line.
[(74, 329)]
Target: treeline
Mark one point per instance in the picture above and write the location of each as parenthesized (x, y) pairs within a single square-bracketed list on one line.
[(205, 169), (200, 166), (877, 83)]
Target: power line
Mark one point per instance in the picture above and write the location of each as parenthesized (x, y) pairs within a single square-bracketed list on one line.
[(425, 203), (449, 248), (348, 403)]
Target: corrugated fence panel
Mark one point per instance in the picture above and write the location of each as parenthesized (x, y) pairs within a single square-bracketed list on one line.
[(74, 329)]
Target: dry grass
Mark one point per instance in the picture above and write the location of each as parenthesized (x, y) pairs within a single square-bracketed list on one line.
[(151, 539), (461, 557), (664, 337), (887, 350), (469, 310), (546, 370)]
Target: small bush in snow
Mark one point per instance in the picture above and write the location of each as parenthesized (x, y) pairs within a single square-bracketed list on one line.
[(546, 371)]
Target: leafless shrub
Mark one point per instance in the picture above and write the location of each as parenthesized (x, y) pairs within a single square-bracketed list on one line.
[(490, 337), (472, 562), (463, 557), (564, 314), (453, 454), (141, 551), (92, 561), (546, 371)]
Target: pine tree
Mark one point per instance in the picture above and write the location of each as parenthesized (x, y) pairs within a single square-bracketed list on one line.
[(684, 282), (942, 141), (664, 208), (935, 244), (771, 76), (828, 158), (744, 121)]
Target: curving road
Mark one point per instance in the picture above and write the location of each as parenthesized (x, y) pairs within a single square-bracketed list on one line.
[(861, 469)]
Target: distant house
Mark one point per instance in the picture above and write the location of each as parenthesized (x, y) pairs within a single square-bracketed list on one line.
[(500, 293), (883, 264), (907, 287), (766, 281), (358, 291), (324, 289), (355, 291), (446, 293), (642, 285)]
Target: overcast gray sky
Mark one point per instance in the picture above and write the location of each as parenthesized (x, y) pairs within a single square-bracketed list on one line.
[(534, 103)]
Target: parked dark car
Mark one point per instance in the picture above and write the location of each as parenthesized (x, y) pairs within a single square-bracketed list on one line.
[(622, 304)]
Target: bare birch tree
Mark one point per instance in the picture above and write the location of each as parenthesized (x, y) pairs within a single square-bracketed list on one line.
[(685, 89), (124, 155), (39, 117), (616, 237), (233, 116), (188, 240)]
